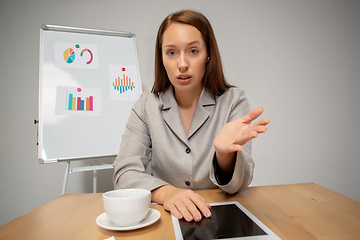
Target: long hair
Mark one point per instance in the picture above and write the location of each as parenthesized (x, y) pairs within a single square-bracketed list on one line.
[(214, 79)]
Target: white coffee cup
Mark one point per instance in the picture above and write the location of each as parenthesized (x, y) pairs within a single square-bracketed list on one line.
[(127, 207)]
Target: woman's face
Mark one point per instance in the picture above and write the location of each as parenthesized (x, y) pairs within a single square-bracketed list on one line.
[(184, 57)]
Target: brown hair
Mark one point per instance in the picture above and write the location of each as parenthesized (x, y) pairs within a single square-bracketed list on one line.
[(214, 79)]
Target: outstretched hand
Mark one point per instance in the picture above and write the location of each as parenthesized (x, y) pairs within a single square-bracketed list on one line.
[(236, 133)]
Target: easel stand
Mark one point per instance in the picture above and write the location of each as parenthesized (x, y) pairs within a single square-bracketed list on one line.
[(95, 167)]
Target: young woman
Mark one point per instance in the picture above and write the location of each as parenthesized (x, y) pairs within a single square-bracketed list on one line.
[(194, 128)]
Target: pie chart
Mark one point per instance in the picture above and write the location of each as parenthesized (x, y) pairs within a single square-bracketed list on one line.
[(69, 55)]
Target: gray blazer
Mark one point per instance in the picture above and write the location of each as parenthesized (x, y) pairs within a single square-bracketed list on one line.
[(155, 134)]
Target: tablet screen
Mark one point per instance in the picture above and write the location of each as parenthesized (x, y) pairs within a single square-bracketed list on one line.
[(228, 221)]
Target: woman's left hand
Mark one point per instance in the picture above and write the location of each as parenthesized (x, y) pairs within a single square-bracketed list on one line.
[(235, 134)]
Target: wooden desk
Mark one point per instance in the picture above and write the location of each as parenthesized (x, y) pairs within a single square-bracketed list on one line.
[(296, 211)]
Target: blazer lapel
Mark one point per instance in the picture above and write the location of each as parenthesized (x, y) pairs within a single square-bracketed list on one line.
[(202, 112), (171, 115)]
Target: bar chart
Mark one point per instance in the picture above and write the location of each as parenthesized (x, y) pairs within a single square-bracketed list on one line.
[(123, 84), (78, 101), (79, 104)]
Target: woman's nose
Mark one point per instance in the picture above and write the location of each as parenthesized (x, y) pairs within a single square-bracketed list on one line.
[(183, 63)]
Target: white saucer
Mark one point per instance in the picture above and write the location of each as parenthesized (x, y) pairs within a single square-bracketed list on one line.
[(103, 221)]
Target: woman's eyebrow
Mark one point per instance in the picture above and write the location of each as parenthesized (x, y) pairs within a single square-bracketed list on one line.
[(172, 45), (194, 42), (169, 45)]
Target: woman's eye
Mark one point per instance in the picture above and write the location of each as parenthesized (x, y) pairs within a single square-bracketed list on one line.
[(194, 51), (170, 53)]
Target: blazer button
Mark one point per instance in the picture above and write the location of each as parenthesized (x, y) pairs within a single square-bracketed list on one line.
[(188, 150), (187, 183)]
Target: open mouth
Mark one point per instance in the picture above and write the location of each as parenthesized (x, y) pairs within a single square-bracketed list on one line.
[(183, 76)]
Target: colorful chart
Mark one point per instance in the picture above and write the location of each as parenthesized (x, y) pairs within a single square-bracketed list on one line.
[(123, 84), (91, 55), (78, 104), (69, 55)]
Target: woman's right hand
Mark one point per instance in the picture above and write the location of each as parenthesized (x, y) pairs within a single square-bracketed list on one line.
[(182, 203)]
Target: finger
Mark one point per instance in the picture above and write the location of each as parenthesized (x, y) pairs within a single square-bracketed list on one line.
[(194, 211), (174, 211), (252, 115), (259, 129), (194, 204), (264, 121), (203, 200), (203, 206), (234, 148), (244, 138), (259, 126), (197, 205), (183, 207)]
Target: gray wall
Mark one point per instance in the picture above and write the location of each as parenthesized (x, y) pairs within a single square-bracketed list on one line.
[(300, 60)]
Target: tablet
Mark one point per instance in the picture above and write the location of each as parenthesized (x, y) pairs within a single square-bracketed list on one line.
[(229, 220)]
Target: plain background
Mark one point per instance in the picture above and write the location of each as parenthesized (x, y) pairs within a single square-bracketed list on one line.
[(300, 60)]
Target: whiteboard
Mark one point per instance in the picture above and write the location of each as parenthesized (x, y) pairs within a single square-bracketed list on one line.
[(89, 79)]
